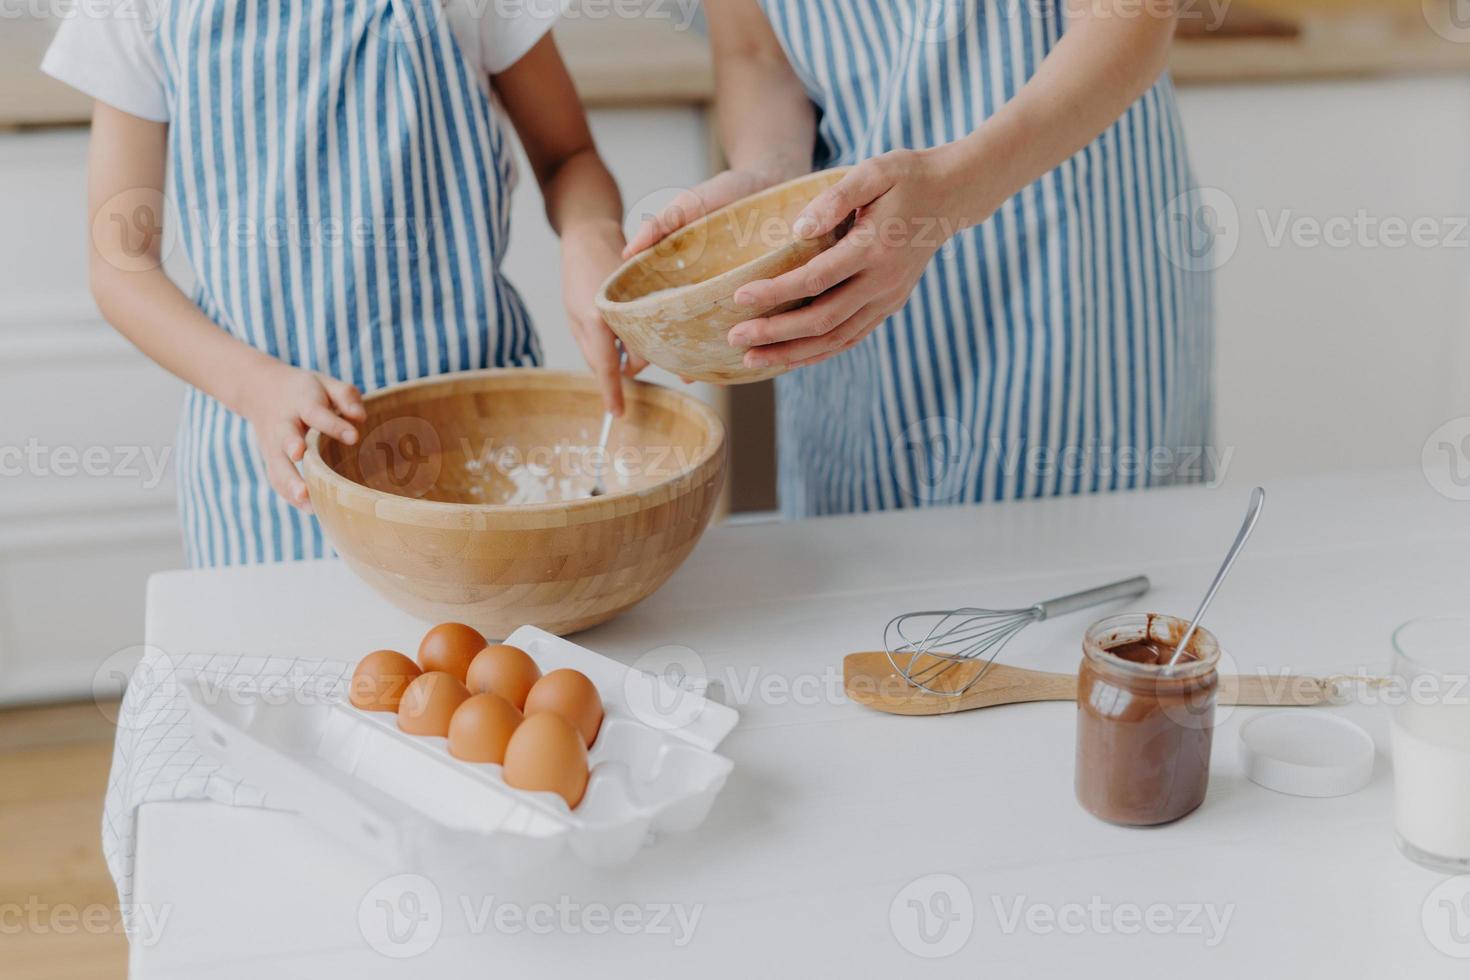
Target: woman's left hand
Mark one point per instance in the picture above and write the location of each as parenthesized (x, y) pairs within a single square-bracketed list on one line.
[(903, 201)]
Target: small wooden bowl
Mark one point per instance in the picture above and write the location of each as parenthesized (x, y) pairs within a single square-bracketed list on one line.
[(466, 500), (674, 303)]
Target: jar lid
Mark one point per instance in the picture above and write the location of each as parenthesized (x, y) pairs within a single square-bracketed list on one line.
[(1306, 752)]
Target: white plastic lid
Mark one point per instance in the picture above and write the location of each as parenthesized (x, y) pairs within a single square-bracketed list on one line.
[(1306, 752)]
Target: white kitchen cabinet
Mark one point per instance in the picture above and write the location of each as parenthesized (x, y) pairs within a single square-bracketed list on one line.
[(85, 421)]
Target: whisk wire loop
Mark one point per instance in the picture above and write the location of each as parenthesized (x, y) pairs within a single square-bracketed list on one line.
[(976, 635)]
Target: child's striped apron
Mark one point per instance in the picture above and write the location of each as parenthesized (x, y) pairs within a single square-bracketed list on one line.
[(342, 186)]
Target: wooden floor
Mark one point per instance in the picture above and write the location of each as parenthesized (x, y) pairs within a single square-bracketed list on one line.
[(53, 774)]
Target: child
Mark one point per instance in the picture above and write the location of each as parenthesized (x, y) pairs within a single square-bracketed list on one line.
[(339, 175)]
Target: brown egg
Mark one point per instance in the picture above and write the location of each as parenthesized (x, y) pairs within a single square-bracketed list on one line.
[(430, 702), (379, 681), (504, 670), (450, 647), (481, 728), (572, 695), (547, 754)]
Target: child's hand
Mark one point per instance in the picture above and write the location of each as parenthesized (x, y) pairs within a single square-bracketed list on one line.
[(590, 253), (285, 402)]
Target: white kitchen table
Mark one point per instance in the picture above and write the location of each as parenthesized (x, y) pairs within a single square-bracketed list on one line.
[(849, 843)]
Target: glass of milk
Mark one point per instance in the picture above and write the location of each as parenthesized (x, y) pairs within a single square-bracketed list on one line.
[(1431, 743)]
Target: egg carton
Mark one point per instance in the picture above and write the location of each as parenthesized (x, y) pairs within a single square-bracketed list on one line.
[(654, 770)]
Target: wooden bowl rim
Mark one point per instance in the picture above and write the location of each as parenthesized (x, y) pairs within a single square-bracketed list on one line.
[(316, 467), (731, 278)]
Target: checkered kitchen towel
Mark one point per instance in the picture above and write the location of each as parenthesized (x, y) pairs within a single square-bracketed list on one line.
[(154, 757)]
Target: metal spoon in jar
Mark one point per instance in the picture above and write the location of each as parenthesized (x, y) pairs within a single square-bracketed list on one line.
[(1258, 500)]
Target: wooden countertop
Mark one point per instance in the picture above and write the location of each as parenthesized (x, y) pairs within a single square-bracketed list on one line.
[(637, 62), (615, 63), (1319, 47), (640, 62)]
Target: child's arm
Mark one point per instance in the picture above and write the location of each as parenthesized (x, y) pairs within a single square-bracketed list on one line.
[(125, 198), (582, 201)]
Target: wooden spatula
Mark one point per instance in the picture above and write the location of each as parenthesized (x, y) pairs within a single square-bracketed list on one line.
[(870, 680)]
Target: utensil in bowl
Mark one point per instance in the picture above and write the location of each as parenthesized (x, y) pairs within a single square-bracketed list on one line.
[(674, 304), (599, 486), (467, 500)]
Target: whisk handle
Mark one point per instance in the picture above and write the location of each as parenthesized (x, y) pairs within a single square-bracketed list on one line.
[(1130, 588)]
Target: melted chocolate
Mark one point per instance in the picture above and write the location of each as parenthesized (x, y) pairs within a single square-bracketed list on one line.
[(1143, 740)]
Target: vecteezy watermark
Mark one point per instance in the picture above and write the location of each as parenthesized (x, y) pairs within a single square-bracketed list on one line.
[(1446, 459), (678, 208), (414, 20), (932, 458), (665, 688), (1207, 920), (682, 14), (933, 917), (155, 682), (1363, 230), (1370, 687), (937, 21), (674, 922), (1450, 19), (670, 686), (145, 465), (130, 230), (403, 916), (402, 456), (1200, 229), (145, 922), (1122, 465), (145, 12), (1445, 917), (935, 456), (277, 231), (115, 673), (405, 456)]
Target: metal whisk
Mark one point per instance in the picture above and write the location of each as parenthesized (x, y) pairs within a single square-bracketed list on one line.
[(924, 646)]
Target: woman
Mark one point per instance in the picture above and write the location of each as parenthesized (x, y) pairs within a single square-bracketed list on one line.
[(1013, 313)]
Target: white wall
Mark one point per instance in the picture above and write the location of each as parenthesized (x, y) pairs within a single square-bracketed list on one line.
[(654, 154), (1338, 357)]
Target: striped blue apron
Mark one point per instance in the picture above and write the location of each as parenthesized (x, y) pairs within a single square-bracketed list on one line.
[(1061, 347), (342, 185)]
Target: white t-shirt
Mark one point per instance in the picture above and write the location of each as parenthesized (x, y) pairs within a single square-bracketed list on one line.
[(105, 48)]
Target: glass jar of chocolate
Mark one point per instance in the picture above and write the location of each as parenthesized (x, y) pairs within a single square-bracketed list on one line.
[(1143, 728)]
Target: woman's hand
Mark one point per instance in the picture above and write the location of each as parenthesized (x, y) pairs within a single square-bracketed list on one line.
[(903, 202), (590, 253), (695, 203), (284, 402)]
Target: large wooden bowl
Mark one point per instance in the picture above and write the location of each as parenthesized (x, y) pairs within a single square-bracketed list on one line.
[(467, 500), (674, 303)]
